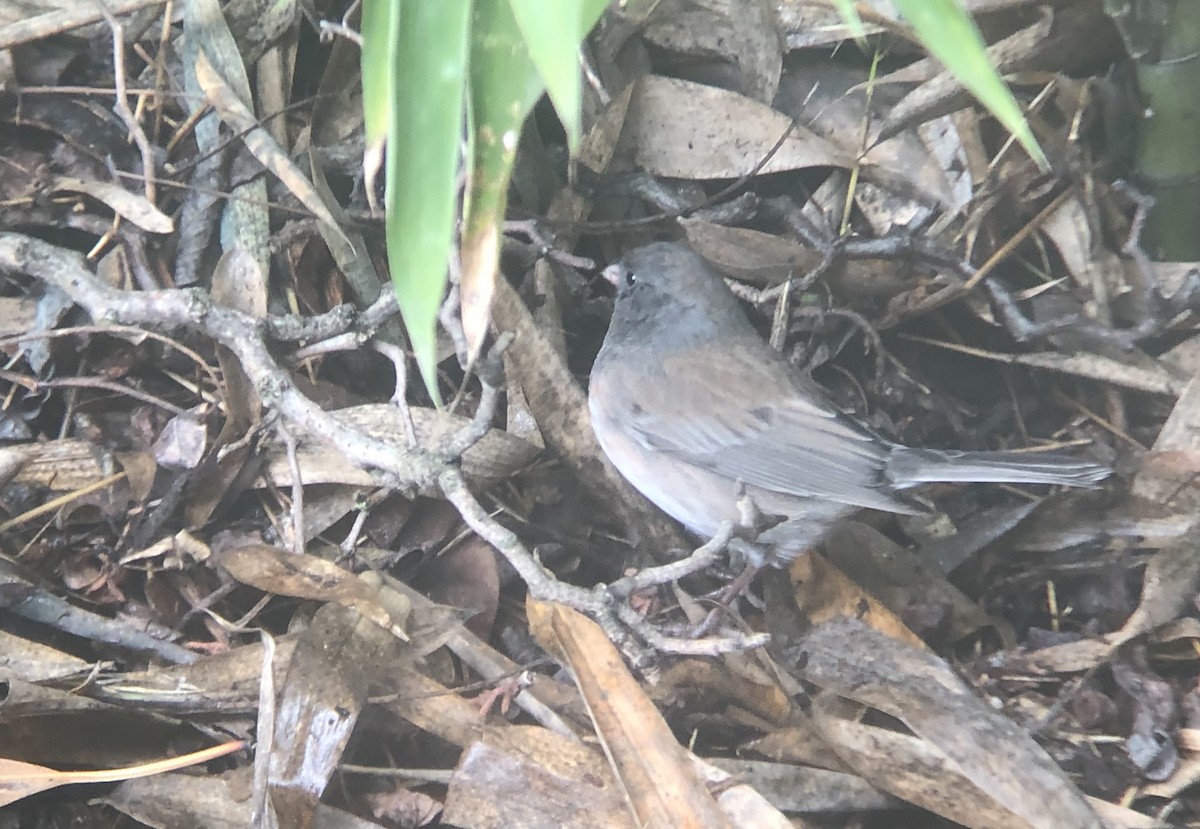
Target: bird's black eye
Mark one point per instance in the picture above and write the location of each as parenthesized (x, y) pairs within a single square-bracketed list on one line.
[(630, 278)]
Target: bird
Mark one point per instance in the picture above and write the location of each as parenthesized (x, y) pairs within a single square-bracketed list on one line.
[(695, 410)]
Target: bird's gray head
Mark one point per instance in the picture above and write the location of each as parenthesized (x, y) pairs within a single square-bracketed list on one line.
[(666, 287)]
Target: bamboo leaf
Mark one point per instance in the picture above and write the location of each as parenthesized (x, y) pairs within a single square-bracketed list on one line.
[(428, 77), (948, 32)]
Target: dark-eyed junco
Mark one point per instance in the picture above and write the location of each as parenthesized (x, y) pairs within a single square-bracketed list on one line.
[(687, 400)]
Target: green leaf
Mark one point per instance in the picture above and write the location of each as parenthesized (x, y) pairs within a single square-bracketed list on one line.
[(518, 48), (552, 33), (853, 21), (504, 87), (380, 26), (429, 70), (504, 79), (950, 35)]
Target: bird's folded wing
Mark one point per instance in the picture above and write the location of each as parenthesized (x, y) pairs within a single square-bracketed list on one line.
[(754, 422)]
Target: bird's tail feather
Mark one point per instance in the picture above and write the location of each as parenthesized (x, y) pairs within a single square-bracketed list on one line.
[(912, 467)]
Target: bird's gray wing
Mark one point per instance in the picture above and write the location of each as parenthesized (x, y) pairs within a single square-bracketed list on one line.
[(746, 417)]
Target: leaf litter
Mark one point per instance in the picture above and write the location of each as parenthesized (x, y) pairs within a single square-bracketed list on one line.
[(192, 541)]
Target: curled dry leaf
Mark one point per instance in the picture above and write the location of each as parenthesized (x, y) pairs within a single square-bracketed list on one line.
[(824, 592), (181, 443)]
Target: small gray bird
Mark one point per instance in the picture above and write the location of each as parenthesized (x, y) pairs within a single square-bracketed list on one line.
[(687, 400)]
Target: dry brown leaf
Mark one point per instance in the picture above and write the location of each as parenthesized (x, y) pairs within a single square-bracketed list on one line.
[(944, 93), (1186, 775), (404, 806), (239, 283), (285, 573), (662, 787), (750, 255), (60, 465), (170, 801), (1168, 477), (964, 760), (744, 32), (766, 259), (330, 673), (707, 684), (824, 592), (812, 791), (1168, 587), (1139, 373), (260, 143), (688, 130), (35, 661), (131, 206), (434, 708), (1091, 265), (18, 315), (799, 744), (805, 25), (465, 576), (480, 265), (20, 780), (832, 99), (348, 247), (181, 443), (900, 577), (525, 776)]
